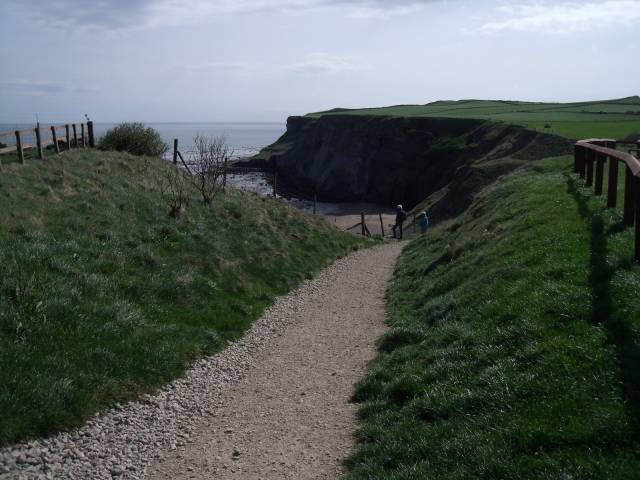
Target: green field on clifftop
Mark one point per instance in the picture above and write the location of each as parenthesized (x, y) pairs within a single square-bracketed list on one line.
[(598, 119)]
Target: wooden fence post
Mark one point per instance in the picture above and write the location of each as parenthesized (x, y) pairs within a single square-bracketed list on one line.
[(612, 188), (381, 224), (275, 184), (39, 143), (54, 135), (629, 203), (175, 151), (637, 207), (19, 147), (66, 129), (600, 159), (92, 138), (589, 158), (576, 160), (84, 142), (582, 161), (75, 136), (362, 223), (224, 175)]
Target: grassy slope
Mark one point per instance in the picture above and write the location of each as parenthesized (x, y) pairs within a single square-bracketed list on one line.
[(515, 343), (103, 296), (601, 119)]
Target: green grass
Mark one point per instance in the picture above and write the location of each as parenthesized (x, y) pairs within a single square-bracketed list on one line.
[(514, 344), (598, 119), (104, 296), (29, 154)]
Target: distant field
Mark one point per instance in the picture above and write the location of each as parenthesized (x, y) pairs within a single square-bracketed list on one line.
[(607, 118)]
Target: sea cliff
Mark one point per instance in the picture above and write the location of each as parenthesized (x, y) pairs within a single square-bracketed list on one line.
[(402, 159)]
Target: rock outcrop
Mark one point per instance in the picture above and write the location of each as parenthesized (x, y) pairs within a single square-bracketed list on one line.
[(402, 159)]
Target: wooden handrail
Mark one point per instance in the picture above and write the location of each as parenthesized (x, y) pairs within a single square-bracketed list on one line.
[(590, 157), (24, 131), (8, 149), (632, 162), (31, 130)]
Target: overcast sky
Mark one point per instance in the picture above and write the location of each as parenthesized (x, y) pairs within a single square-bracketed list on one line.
[(262, 60)]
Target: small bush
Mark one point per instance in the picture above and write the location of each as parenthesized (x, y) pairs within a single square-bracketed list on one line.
[(134, 138)]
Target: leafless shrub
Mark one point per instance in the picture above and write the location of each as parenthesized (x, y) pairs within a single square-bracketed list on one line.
[(207, 165), (174, 188)]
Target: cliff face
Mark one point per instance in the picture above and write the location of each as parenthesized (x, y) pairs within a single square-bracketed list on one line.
[(402, 160)]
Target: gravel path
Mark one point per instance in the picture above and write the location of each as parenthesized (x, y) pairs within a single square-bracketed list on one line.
[(274, 405)]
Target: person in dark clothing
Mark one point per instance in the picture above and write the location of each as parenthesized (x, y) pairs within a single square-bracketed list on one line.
[(401, 216)]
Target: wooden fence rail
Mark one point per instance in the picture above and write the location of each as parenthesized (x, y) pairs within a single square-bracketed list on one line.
[(86, 138), (590, 159)]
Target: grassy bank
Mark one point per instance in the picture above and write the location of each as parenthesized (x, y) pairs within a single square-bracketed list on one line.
[(597, 119), (104, 296), (515, 343)]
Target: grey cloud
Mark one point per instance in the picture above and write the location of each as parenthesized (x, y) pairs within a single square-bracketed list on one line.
[(85, 90), (563, 18), (111, 14), (31, 87), (216, 66), (41, 88), (126, 14), (323, 63)]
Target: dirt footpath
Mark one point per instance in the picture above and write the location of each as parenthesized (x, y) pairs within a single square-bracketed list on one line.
[(289, 417)]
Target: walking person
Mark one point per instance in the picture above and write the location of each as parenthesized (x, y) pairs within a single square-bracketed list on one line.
[(401, 216), (423, 222)]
